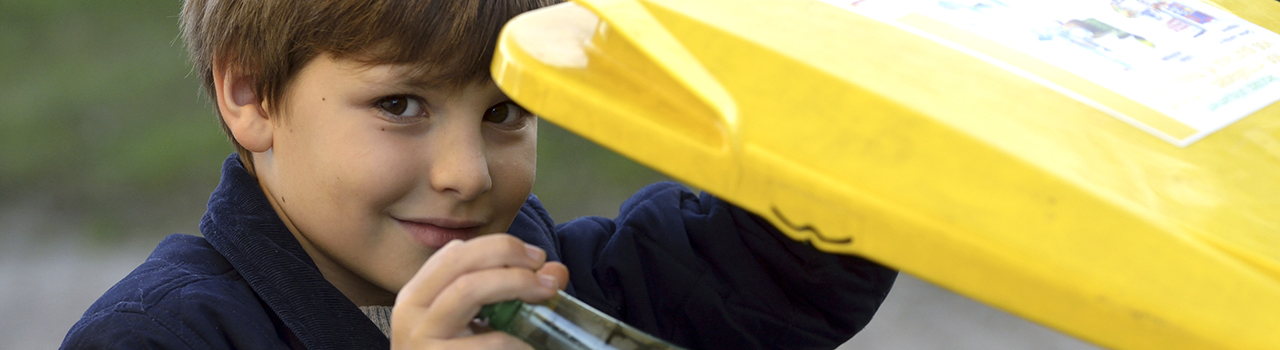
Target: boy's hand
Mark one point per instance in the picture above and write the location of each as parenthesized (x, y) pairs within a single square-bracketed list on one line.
[(436, 308)]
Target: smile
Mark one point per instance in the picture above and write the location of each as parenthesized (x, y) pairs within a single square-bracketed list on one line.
[(435, 233)]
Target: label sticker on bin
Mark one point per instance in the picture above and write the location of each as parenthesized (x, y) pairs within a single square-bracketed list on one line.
[(1179, 70)]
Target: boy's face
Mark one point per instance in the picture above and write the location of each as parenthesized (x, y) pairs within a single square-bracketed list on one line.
[(374, 170)]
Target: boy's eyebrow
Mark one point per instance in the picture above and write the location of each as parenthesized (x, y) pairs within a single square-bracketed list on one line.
[(408, 78), (426, 82), (397, 76), (419, 81), (401, 79)]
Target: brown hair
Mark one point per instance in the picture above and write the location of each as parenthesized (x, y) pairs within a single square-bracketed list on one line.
[(271, 40)]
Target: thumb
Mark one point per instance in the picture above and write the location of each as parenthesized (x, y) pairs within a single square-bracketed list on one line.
[(557, 271)]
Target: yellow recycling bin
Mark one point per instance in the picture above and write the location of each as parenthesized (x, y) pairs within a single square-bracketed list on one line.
[(930, 143)]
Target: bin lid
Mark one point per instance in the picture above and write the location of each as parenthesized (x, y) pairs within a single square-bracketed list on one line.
[(914, 143)]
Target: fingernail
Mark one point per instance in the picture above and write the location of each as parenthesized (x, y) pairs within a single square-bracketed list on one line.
[(534, 252), (547, 281)]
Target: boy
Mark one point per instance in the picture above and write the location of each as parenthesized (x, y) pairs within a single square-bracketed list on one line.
[(378, 165)]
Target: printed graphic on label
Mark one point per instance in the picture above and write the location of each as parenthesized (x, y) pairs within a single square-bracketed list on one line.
[(1177, 69)]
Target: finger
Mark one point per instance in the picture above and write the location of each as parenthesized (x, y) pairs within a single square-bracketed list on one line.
[(459, 303), (458, 258), (558, 271), (490, 340)]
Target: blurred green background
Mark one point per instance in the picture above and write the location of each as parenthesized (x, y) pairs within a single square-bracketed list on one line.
[(107, 145), (98, 114)]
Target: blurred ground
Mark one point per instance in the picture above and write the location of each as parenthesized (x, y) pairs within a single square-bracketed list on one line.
[(920, 316)]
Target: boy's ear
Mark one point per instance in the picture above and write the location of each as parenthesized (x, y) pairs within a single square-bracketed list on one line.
[(242, 109)]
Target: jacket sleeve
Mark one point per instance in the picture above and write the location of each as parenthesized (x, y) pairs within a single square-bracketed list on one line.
[(705, 274), (162, 305), (121, 329), (188, 318)]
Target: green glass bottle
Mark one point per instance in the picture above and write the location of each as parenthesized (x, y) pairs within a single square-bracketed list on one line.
[(565, 323)]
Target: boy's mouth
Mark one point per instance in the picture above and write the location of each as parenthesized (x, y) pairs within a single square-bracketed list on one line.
[(435, 233)]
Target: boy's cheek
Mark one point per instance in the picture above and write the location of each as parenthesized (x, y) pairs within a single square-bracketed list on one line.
[(516, 183), (515, 165)]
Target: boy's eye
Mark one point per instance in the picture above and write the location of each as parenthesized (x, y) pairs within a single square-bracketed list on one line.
[(504, 113), (401, 106)]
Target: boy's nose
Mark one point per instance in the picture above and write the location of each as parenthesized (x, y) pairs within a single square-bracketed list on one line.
[(460, 167)]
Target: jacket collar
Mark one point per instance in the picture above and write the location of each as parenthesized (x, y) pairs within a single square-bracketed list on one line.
[(241, 225)]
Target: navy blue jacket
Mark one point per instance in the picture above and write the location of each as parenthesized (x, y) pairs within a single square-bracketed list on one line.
[(694, 270)]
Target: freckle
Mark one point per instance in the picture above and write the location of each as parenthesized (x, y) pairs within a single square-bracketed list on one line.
[(384, 129), (322, 99)]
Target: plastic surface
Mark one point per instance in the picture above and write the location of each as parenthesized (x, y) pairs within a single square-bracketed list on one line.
[(865, 139)]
